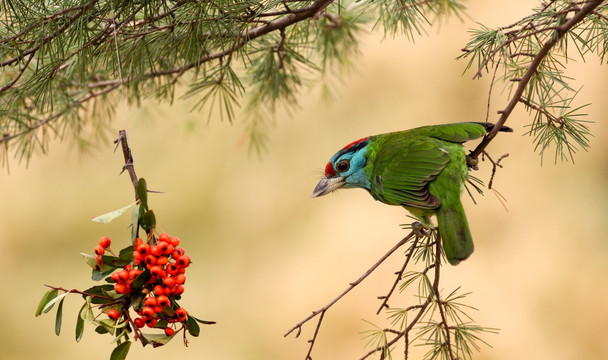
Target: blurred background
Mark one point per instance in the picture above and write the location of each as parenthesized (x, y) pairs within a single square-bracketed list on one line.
[(265, 254)]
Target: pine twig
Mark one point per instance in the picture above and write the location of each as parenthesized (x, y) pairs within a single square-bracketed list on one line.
[(351, 286), (560, 31)]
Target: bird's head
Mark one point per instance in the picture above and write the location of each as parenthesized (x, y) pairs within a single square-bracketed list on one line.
[(345, 169)]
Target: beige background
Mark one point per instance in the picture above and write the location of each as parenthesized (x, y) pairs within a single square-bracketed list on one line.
[(265, 254)]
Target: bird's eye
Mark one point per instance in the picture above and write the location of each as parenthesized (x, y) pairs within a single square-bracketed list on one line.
[(343, 165)]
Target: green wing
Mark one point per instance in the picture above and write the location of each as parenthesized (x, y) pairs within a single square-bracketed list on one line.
[(458, 132), (404, 167)]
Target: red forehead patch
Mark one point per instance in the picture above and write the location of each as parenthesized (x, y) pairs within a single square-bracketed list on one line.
[(354, 143), (329, 170)]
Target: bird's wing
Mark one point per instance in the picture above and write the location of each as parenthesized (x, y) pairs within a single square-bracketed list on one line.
[(403, 172)]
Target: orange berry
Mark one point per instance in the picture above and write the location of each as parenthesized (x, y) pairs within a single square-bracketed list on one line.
[(177, 252), (169, 331), (151, 322), (143, 249), (163, 260), (113, 314), (179, 289), (148, 312), (166, 248), (123, 275), (138, 241), (163, 301), (159, 290), (99, 250), (174, 241), (172, 269), (156, 270), (151, 301), (181, 314), (98, 260), (105, 242), (183, 261), (164, 237), (180, 279), (150, 260), (120, 288), (169, 282), (155, 250), (158, 309)]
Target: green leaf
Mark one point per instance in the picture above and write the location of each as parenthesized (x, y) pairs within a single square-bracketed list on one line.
[(80, 322), (148, 220), (193, 327), (101, 330), (59, 317), (120, 352), (126, 253), (134, 223), (108, 217), (204, 322), (158, 339), (114, 262), (48, 296), (142, 193), (52, 302)]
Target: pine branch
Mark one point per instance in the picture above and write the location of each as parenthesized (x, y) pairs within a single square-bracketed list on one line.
[(558, 33)]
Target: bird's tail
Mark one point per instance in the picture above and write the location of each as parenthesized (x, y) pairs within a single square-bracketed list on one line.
[(454, 230)]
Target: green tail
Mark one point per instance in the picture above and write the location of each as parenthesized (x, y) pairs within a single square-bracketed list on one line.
[(454, 230)]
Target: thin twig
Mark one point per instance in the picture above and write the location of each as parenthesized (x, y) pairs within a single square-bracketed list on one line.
[(408, 257), (128, 166), (351, 286)]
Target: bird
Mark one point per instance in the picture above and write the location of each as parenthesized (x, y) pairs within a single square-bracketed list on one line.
[(422, 169)]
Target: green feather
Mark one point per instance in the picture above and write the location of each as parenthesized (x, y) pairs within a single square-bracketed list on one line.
[(424, 170)]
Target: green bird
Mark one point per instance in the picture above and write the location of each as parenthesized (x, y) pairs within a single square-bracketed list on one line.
[(422, 169)]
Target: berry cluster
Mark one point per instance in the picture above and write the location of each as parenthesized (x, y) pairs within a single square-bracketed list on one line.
[(104, 244), (163, 265)]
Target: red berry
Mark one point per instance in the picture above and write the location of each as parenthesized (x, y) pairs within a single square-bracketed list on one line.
[(134, 273), (138, 241), (150, 260), (172, 269), (163, 260), (123, 275), (163, 301), (169, 282), (156, 270), (177, 252), (166, 248), (139, 322), (156, 250), (98, 260), (183, 261), (169, 331), (179, 289), (159, 290), (181, 314), (115, 277), (143, 249), (99, 250), (151, 301), (148, 312), (164, 237), (151, 322), (180, 279), (158, 309), (174, 241), (113, 314), (105, 242), (120, 288)]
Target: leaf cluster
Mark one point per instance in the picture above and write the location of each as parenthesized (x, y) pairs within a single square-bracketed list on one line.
[(442, 324), (541, 42), (66, 64)]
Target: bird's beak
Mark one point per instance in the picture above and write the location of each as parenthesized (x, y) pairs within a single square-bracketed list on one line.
[(327, 185)]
